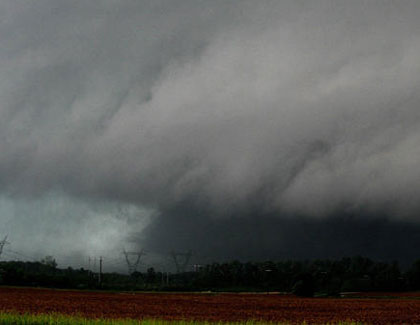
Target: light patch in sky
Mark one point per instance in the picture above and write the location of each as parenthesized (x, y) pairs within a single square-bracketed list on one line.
[(70, 230)]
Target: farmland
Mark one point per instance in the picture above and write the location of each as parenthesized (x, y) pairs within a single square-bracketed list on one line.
[(56, 319), (210, 307)]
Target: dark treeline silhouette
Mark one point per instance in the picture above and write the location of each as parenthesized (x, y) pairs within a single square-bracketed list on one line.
[(304, 278), (308, 277)]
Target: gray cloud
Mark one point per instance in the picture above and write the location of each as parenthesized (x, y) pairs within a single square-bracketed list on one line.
[(258, 237), (290, 108)]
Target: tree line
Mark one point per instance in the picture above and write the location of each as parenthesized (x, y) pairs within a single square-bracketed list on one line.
[(304, 278)]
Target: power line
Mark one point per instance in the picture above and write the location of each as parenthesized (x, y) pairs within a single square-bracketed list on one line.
[(21, 255), (5, 253)]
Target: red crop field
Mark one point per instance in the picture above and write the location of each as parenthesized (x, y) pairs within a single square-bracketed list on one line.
[(210, 307), (383, 294)]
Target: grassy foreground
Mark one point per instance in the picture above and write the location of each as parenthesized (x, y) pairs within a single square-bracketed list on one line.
[(30, 319)]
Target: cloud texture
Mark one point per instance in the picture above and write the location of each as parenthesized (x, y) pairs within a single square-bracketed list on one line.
[(214, 109)]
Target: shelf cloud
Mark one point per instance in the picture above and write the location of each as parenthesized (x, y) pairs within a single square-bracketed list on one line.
[(223, 115)]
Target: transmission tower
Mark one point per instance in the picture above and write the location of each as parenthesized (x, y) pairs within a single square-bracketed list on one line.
[(2, 243), (132, 264), (181, 260)]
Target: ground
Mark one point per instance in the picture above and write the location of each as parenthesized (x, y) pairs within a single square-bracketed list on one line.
[(385, 308)]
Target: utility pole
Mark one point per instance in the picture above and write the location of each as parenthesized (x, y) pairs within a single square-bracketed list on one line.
[(2, 243), (100, 270), (181, 260), (165, 278), (133, 264)]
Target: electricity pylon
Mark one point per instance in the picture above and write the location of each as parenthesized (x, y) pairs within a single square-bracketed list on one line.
[(133, 264), (181, 260), (2, 243)]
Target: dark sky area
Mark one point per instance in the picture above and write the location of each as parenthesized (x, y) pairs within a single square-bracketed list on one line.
[(236, 129)]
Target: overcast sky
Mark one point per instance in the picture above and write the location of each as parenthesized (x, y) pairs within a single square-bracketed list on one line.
[(240, 129)]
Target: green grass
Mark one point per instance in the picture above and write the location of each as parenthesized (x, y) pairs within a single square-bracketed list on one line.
[(57, 319)]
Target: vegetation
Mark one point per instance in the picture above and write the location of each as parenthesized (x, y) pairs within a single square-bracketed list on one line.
[(15, 319), (305, 278)]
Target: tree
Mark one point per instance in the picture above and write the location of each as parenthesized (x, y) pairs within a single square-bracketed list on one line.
[(414, 276), (304, 285), (49, 261), (151, 275)]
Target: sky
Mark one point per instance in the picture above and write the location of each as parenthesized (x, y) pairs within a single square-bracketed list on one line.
[(236, 129)]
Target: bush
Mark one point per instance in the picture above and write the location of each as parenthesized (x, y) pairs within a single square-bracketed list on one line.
[(304, 286)]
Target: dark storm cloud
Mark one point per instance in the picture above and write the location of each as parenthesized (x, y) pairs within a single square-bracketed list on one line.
[(214, 109), (259, 237)]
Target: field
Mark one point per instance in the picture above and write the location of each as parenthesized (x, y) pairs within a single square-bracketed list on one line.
[(54, 319), (211, 307)]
